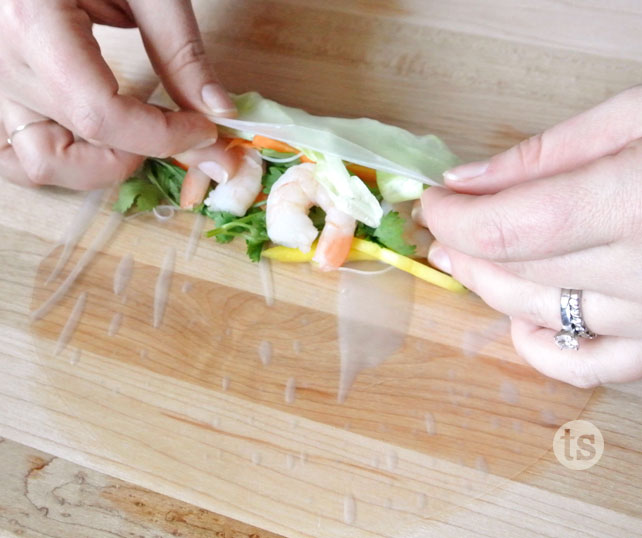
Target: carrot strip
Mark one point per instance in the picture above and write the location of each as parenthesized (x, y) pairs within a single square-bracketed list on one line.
[(179, 164), (263, 142), (260, 197), (305, 159), (364, 173), (239, 142)]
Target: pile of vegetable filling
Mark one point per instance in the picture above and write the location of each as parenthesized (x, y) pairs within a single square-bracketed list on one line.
[(293, 200)]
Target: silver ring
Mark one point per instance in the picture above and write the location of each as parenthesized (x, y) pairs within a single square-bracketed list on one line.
[(22, 127), (573, 325)]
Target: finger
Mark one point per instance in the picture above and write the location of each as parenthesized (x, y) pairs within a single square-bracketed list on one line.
[(606, 359), (113, 13), (194, 188), (83, 92), (541, 218), (215, 160), (611, 269), (174, 45), (603, 130), (535, 302), (10, 167), (49, 155)]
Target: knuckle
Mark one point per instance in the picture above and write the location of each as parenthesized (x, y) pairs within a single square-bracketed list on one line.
[(530, 153), (88, 122), (495, 236), (535, 309), (39, 170), (189, 53)]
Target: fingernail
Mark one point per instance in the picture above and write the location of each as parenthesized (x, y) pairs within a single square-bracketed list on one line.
[(439, 258), (466, 171), (217, 100), (417, 215), (205, 143), (214, 170)]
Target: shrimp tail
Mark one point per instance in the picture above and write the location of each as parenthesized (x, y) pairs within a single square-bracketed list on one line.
[(332, 253), (194, 188)]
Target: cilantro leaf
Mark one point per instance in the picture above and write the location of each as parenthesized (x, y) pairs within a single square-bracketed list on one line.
[(317, 216), (139, 194), (273, 172), (364, 231), (167, 177), (390, 234), (251, 227)]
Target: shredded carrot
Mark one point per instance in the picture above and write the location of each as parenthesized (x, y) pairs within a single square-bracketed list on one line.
[(260, 197), (364, 173), (263, 142), (305, 159), (179, 164), (236, 142)]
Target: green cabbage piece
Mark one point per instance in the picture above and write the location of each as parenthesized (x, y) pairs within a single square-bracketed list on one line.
[(348, 193), (395, 188), (362, 141), (404, 162)]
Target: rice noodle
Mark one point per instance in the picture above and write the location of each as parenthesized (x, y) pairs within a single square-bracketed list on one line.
[(169, 209), (367, 273), (282, 160)]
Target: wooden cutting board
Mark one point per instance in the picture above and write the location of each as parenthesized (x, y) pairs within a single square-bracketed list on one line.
[(230, 403)]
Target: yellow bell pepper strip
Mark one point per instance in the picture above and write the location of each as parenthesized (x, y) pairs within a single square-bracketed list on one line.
[(363, 250), (407, 264), (294, 255)]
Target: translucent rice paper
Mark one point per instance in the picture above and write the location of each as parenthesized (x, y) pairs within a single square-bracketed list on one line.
[(361, 141)]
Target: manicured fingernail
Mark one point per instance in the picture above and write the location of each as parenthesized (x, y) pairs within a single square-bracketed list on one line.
[(466, 171), (217, 100), (439, 258), (214, 170), (417, 215)]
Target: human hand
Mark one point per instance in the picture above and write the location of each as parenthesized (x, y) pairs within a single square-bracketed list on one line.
[(51, 68), (560, 210)]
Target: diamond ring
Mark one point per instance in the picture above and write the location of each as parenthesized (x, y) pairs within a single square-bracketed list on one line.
[(573, 325)]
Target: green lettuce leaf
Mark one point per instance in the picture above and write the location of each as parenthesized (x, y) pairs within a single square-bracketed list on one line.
[(348, 193), (395, 188), (362, 141)]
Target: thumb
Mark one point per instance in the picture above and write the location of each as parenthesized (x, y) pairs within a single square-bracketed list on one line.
[(603, 130), (174, 45)]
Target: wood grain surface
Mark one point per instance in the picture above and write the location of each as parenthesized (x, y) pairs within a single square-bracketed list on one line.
[(450, 436), (43, 495)]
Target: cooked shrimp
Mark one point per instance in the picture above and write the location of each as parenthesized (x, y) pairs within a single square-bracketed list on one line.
[(239, 192), (288, 224), (213, 162), (194, 187)]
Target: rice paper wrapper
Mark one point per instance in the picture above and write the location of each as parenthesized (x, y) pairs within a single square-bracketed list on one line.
[(361, 141)]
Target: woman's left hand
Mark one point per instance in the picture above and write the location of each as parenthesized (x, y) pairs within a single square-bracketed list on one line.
[(560, 210)]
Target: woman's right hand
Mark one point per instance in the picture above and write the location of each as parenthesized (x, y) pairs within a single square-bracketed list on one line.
[(51, 68)]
